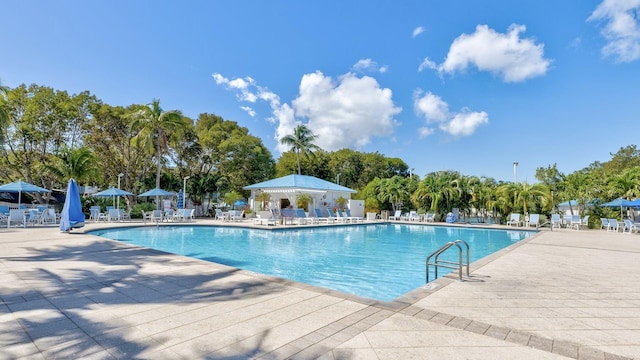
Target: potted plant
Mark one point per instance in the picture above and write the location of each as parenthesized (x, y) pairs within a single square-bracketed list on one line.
[(341, 202), (303, 201), (263, 198)]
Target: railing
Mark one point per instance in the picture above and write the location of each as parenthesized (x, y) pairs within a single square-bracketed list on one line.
[(446, 263)]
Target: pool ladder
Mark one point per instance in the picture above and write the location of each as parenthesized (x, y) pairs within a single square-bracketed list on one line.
[(448, 264)]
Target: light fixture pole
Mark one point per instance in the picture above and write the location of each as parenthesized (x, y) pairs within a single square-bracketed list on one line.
[(184, 191), (411, 173), (119, 177), (515, 172), (338, 178)]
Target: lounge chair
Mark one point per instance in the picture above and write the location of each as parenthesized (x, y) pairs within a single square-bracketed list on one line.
[(613, 225), (301, 217), (48, 217), (430, 217), (17, 217), (534, 220), (335, 218), (353, 218), (265, 218), (220, 215), (113, 215), (629, 226), (320, 218), (604, 224), (514, 219), (413, 216), (237, 215), (585, 222), (576, 221), (396, 216), (556, 222)]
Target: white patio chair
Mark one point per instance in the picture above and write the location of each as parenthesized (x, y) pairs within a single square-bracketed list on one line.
[(514, 219)]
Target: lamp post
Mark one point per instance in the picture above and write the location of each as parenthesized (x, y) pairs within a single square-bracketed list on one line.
[(338, 178), (119, 177), (184, 191), (411, 173), (515, 172)]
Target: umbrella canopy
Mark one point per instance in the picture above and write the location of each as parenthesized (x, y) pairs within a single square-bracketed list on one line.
[(157, 192), (72, 215), (20, 187), (615, 203), (113, 192)]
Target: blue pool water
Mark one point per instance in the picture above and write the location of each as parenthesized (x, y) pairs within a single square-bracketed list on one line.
[(379, 262)]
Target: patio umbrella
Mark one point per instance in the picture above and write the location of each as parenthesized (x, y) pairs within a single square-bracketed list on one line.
[(113, 192), (157, 192), (72, 215), (20, 187), (619, 202)]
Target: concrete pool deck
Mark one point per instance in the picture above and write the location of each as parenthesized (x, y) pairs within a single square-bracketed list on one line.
[(561, 294)]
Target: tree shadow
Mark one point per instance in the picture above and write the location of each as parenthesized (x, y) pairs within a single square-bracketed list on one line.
[(72, 300)]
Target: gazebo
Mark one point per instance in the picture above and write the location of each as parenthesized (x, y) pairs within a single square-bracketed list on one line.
[(284, 191)]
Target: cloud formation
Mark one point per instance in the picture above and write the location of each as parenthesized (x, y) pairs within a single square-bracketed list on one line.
[(347, 112), (436, 112), (621, 29), (505, 55), (368, 65), (417, 31)]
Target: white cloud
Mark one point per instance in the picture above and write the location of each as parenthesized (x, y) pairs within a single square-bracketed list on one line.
[(432, 107), (423, 132), (417, 31), (436, 110), (249, 110), (240, 85), (348, 112), (465, 123), (621, 29), (506, 55), (427, 64), (368, 65)]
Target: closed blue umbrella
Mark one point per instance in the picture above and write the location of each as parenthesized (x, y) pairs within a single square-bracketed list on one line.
[(20, 187), (72, 216)]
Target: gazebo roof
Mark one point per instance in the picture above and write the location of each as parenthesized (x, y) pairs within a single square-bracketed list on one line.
[(295, 182)]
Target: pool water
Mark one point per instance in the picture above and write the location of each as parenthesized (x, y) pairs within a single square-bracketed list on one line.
[(380, 261)]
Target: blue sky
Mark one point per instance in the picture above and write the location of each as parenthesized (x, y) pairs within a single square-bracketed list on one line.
[(471, 86)]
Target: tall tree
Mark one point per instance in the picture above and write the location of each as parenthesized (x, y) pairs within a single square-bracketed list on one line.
[(4, 113), (79, 163), (154, 127), (301, 141)]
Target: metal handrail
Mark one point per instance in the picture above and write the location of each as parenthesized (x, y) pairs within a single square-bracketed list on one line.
[(448, 264)]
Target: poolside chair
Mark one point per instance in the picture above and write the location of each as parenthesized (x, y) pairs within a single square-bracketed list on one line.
[(556, 222), (613, 225), (585, 222), (320, 218), (335, 218), (4, 210), (396, 216), (113, 215), (604, 224), (301, 217), (265, 218), (514, 219), (353, 218), (48, 217), (534, 220), (413, 216), (220, 215), (430, 217), (576, 221), (629, 226), (237, 215), (16, 216)]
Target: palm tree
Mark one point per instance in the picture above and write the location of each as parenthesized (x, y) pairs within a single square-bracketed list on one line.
[(79, 163), (301, 141), (154, 127), (5, 119)]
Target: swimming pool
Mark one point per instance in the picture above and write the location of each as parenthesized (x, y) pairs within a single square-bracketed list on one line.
[(377, 261)]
